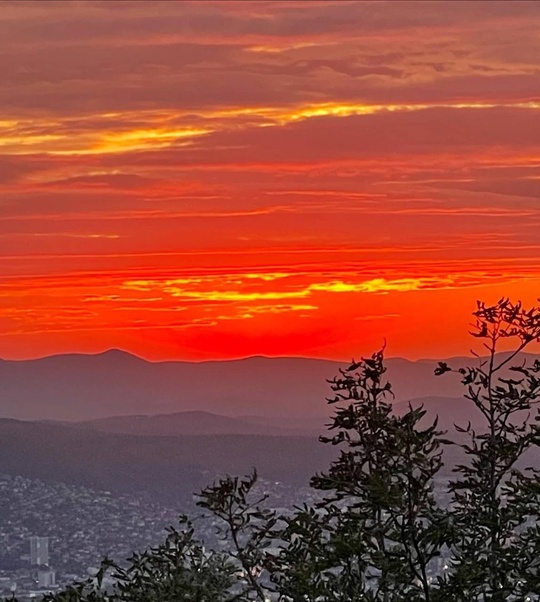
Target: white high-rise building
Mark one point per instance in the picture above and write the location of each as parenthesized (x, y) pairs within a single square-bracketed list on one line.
[(39, 551)]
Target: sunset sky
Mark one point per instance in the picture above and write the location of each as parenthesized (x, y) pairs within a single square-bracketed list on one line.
[(210, 180)]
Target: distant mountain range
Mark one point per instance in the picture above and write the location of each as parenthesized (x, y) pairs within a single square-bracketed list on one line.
[(114, 383), (115, 421)]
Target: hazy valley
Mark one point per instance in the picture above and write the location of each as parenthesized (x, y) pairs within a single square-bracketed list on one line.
[(115, 421)]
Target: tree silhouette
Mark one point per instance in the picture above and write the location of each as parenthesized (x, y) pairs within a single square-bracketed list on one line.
[(496, 504), (379, 521)]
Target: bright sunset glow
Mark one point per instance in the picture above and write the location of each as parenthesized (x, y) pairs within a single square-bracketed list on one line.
[(210, 180)]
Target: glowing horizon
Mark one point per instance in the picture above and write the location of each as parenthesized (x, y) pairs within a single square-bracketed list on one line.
[(214, 180)]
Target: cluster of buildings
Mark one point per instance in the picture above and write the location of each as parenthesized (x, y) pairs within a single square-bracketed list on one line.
[(52, 534)]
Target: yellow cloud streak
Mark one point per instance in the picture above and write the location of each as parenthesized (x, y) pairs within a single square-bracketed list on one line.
[(278, 309), (25, 136), (145, 138), (221, 295), (285, 47), (195, 288), (381, 285), (283, 115)]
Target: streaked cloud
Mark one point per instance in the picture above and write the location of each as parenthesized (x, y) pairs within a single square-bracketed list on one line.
[(215, 179)]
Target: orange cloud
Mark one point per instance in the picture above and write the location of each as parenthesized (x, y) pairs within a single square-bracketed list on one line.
[(216, 179)]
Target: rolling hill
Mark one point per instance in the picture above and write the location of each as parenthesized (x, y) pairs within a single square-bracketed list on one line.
[(194, 423), (170, 468)]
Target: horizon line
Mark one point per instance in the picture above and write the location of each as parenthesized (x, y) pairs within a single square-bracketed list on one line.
[(232, 359)]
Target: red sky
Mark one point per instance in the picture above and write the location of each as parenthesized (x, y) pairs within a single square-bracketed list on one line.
[(201, 180)]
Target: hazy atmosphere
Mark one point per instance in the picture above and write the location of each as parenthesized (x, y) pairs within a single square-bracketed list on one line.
[(269, 301)]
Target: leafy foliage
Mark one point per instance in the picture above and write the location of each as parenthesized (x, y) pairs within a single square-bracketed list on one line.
[(496, 505), (246, 525), (380, 524)]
